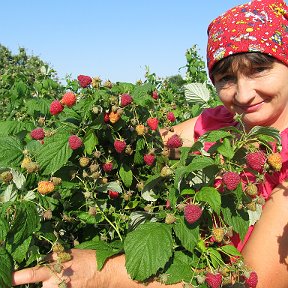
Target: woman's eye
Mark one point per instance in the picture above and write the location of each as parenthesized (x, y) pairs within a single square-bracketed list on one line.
[(224, 79)]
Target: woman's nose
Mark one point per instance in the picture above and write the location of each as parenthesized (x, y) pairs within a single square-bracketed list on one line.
[(244, 93)]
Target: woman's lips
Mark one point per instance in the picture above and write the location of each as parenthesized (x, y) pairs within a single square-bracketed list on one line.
[(251, 108)]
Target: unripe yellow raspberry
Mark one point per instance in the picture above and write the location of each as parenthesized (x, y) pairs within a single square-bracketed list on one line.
[(140, 129), (45, 187)]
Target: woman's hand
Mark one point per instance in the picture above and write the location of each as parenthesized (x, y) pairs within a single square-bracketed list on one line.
[(79, 272)]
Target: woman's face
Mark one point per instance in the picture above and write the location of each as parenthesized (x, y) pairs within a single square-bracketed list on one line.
[(260, 95)]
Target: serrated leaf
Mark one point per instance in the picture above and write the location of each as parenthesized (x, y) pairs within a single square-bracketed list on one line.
[(176, 275), (19, 253), (25, 223), (90, 141), (89, 219), (126, 175), (137, 218), (230, 250), (199, 163), (238, 219), (110, 186), (188, 235), (269, 131), (6, 268), (18, 179), (215, 257), (12, 127), (147, 249), (149, 195), (39, 104), (138, 158), (54, 154), (9, 194), (4, 228), (104, 250), (211, 196), (226, 149), (11, 151), (254, 216), (214, 135), (196, 93), (179, 174)]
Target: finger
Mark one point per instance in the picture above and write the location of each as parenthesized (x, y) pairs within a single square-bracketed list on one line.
[(31, 275)]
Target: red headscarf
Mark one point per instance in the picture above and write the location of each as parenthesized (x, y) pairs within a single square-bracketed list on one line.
[(258, 26)]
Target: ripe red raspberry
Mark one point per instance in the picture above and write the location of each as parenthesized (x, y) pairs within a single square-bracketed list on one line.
[(256, 160), (155, 95), (84, 81), (171, 117), (152, 123), (252, 281), (74, 142), (213, 280), (107, 166), (149, 159), (113, 194), (56, 107), (231, 180), (106, 118), (192, 213), (174, 141), (125, 100), (68, 99), (37, 134), (119, 145)]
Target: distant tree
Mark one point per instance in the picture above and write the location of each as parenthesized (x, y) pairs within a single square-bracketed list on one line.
[(23, 77)]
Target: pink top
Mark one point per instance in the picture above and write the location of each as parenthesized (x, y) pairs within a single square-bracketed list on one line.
[(219, 117)]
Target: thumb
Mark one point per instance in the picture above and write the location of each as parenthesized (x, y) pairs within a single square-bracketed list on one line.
[(31, 275)]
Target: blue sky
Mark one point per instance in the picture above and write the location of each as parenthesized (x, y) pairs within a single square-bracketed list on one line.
[(112, 39)]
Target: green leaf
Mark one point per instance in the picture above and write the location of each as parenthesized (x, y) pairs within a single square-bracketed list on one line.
[(199, 163), (14, 127), (103, 250), (38, 104), (214, 135), (54, 153), (179, 174), (18, 179), (11, 151), (211, 196), (175, 274), (147, 249), (126, 175), (215, 257), (226, 149), (268, 131), (188, 235), (110, 186), (90, 141), (26, 222), (196, 93), (20, 252), (238, 219), (6, 268), (89, 219), (230, 250), (4, 228)]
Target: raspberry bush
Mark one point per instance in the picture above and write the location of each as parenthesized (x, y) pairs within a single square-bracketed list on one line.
[(88, 169)]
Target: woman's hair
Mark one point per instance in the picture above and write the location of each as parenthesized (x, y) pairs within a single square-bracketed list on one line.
[(242, 61)]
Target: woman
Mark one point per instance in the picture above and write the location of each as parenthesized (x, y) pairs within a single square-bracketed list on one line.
[(247, 58)]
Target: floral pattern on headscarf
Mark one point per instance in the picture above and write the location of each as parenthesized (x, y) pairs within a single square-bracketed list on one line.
[(258, 26)]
